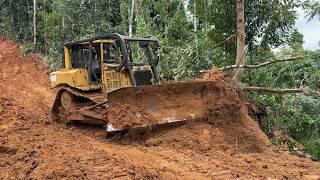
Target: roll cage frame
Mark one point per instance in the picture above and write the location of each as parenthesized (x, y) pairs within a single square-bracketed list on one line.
[(126, 63)]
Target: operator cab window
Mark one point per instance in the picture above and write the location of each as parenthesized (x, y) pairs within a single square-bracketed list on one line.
[(80, 59), (142, 52), (111, 54), (80, 56)]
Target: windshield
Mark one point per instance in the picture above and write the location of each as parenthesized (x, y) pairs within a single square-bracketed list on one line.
[(143, 52), (111, 53), (80, 55)]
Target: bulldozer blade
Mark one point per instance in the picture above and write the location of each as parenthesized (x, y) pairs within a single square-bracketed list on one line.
[(111, 128), (146, 106)]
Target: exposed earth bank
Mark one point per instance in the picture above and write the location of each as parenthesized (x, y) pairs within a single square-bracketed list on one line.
[(227, 144)]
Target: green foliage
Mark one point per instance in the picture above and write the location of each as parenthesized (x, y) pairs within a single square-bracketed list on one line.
[(59, 21), (16, 19), (27, 49), (312, 8), (296, 115), (313, 147), (295, 42), (300, 116)]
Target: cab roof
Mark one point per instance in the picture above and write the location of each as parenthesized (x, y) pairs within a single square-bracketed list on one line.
[(110, 37)]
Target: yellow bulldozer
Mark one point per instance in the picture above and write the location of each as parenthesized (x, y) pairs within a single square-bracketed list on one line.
[(113, 80)]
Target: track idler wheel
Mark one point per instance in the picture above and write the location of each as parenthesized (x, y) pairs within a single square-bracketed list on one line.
[(66, 105), (67, 101)]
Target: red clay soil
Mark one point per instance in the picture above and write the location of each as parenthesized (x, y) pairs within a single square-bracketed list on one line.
[(227, 144)]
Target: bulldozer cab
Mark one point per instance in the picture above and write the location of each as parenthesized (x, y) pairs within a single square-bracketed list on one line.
[(109, 62)]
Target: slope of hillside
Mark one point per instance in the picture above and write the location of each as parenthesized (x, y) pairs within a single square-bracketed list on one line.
[(228, 144)]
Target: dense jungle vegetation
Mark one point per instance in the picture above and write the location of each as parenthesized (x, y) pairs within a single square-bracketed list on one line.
[(195, 35)]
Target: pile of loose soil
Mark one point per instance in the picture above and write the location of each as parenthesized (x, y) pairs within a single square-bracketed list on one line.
[(226, 144), (220, 115), (24, 84), (222, 122)]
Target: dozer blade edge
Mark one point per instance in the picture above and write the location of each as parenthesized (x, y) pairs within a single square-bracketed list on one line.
[(169, 120), (146, 106)]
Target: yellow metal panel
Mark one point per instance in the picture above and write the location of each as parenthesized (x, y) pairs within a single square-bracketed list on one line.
[(103, 41), (103, 79), (76, 78), (99, 41), (143, 68), (124, 79), (67, 58), (114, 80)]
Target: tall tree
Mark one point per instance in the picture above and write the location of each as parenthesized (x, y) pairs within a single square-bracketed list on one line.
[(195, 26), (131, 18), (240, 60), (34, 22)]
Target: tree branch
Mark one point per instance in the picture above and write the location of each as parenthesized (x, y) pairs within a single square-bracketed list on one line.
[(252, 66), (281, 91), (224, 41)]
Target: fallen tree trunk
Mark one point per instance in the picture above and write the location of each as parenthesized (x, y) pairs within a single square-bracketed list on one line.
[(252, 66), (281, 91)]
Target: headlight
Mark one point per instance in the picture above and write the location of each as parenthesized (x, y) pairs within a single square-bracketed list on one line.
[(53, 77)]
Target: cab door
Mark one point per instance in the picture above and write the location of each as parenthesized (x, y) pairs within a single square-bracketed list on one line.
[(111, 79)]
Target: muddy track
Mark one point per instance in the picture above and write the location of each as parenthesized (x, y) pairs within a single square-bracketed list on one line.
[(226, 145)]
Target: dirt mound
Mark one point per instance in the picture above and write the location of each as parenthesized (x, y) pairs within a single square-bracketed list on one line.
[(213, 74), (222, 118), (226, 145), (24, 84)]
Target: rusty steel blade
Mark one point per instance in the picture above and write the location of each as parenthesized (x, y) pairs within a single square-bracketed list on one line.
[(145, 106)]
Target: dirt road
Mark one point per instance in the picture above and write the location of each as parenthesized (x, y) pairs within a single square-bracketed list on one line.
[(228, 145)]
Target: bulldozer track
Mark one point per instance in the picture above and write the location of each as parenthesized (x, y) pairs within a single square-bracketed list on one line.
[(96, 109), (96, 97)]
